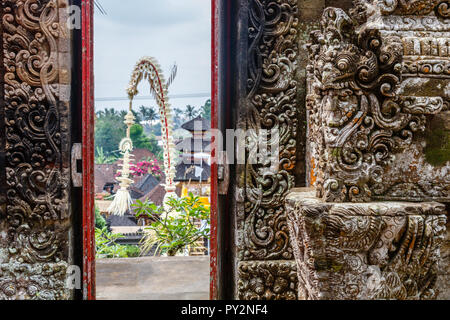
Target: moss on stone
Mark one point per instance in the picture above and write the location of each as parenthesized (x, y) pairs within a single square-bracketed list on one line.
[(437, 151), (336, 152), (336, 267)]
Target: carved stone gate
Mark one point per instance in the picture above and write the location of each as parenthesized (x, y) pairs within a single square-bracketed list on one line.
[(374, 128), (395, 65), (39, 218)]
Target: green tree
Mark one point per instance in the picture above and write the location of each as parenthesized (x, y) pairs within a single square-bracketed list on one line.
[(111, 112), (148, 115), (176, 225), (140, 140), (191, 112), (100, 222), (206, 110), (109, 131), (178, 118), (101, 158), (143, 141), (106, 246), (143, 110), (152, 115), (137, 117)]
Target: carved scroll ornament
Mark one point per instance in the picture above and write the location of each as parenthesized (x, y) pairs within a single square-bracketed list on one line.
[(358, 120), (271, 96), (35, 217)]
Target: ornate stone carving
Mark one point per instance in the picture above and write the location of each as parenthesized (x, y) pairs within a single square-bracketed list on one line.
[(268, 280), (271, 96), (378, 250), (270, 105), (414, 7), (35, 216), (371, 92)]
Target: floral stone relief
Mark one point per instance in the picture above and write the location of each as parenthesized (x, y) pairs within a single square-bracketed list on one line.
[(372, 226), (366, 251)]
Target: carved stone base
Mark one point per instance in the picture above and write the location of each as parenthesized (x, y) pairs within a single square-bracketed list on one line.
[(39, 281), (267, 280), (365, 251)]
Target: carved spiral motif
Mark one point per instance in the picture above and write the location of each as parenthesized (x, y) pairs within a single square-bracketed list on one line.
[(36, 124), (271, 91), (443, 9), (409, 7)]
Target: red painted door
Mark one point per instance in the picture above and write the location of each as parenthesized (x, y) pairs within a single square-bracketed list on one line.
[(87, 56)]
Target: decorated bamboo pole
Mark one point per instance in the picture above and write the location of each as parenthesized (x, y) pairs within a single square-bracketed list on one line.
[(147, 68), (122, 200)]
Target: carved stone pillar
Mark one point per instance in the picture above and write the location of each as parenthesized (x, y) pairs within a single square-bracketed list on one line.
[(365, 251), (378, 99), (35, 92)]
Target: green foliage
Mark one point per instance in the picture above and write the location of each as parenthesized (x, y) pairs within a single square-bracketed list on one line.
[(137, 117), (142, 141), (106, 246), (101, 158), (132, 251), (100, 222), (191, 112), (138, 137), (178, 118), (174, 228), (110, 129), (205, 111)]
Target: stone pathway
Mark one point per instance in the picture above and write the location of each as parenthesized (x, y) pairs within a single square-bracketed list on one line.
[(153, 278)]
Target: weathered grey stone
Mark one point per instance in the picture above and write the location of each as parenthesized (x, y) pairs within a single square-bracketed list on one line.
[(377, 80), (35, 215), (39, 281), (267, 280), (376, 250)]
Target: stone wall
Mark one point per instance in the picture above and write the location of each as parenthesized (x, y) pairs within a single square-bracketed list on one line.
[(153, 278)]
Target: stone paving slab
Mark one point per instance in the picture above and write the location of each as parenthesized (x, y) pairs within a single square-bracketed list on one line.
[(153, 278)]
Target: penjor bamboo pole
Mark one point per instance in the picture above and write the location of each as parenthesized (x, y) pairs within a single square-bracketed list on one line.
[(146, 68)]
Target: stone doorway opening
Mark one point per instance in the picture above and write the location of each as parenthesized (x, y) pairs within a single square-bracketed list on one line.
[(125, 268)]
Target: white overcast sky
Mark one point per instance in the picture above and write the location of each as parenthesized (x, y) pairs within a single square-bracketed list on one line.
[(169, 30)]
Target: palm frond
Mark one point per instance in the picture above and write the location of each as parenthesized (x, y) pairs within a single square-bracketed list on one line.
[(173, 74), (154, 93), (99, 6)]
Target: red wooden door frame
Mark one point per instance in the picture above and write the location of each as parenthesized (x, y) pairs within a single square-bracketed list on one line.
[(88, 148), (214, 275), (88, 233)]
